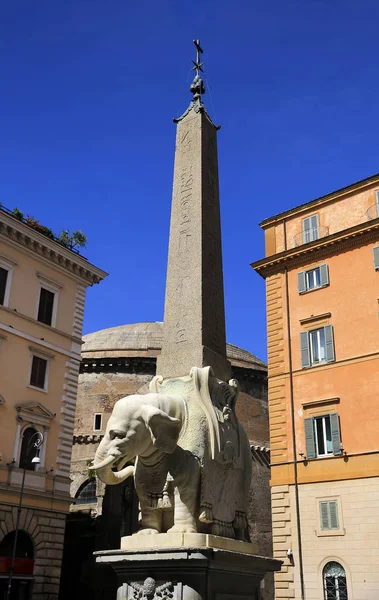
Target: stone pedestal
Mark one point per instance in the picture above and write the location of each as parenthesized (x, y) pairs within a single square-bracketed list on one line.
[(187, 567)]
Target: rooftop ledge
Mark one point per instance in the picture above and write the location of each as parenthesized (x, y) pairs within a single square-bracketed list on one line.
[(318, 249), (48, 249)]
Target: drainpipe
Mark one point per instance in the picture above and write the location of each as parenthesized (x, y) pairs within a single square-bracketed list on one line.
[(301, 568)]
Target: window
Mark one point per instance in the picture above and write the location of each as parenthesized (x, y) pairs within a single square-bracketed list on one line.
[(97, 419), (310, 229), (322, 436), (377, 203), (312, 279), (317, 346), (6, 271), (26, 453), (38, 372), (3, 283), (335, 587), (46, 306), (87, 493), (329, 515), (375, 252)]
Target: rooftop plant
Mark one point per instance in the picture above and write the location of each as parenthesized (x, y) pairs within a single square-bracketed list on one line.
[(71, 240)]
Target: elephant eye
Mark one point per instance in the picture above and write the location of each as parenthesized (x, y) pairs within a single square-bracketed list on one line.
[(116, 433)]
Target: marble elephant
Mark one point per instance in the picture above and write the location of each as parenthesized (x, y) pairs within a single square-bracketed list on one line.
[(171, 447)]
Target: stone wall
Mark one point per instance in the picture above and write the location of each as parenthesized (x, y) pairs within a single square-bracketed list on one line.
[(355, 545), (46, 529)]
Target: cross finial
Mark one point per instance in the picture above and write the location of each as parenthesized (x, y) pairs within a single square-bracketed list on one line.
[(197, 65)]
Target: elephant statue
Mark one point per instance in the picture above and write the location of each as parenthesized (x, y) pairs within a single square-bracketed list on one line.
[(193, 461)]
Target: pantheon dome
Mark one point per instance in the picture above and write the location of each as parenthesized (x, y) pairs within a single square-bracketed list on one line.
[(145, 339)]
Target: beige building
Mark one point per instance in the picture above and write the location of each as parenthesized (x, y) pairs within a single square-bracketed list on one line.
[(322, 289), (42, 295)]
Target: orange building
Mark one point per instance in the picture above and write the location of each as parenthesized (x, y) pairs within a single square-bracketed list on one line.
[(322, 292)]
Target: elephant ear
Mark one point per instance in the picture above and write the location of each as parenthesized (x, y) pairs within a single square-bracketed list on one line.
[(164, 429)]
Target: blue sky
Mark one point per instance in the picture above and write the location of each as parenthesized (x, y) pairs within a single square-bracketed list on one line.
[(89, 90)]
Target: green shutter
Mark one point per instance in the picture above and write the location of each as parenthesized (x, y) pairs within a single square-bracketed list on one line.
[(314, 227), (329, 343), (304, 346), (324, 515), (310, 446), (336, 435), (301, 282), (329, 514), (375, 252), (324, 275), (333, 514), (306, 230)]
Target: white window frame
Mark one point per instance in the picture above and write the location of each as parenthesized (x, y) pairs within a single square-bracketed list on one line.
[(94, 421), (307, 274), (45, 356), (319, 346), (50, 286), (8, 265), (318, 418)]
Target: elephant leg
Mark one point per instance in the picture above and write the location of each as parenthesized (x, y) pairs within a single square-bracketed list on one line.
[(187, 482), (151, 521)]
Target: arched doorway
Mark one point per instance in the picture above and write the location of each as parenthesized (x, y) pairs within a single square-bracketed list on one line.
[(23, 567), (334, 580)]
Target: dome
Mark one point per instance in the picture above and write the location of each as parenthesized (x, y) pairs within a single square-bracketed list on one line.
[(145, 339)]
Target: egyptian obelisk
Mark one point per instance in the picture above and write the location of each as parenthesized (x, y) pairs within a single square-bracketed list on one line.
[(194, 316)]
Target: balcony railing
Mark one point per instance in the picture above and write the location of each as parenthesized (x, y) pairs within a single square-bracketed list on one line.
[(310, 235), (372, 212)]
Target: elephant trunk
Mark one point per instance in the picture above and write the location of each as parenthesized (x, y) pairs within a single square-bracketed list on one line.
[(103, 467)]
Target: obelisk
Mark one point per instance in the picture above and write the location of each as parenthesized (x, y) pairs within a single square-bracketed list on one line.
[(194, 316)]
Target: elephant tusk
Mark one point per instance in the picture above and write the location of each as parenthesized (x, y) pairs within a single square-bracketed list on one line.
[(104, 463)]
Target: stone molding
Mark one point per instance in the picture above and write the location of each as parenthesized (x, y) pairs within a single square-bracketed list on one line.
[(68, 407), (65, 259), (364, 233), (87, 439)]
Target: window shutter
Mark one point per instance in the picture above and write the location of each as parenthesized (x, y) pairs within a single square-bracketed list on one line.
[(375, 252), (324, 515), (329, 343), (310, 446), (333, 514), (314, 227), (301, 282), (377, 203), (306, 230), (304, 346), (336, 435), (324, 275)]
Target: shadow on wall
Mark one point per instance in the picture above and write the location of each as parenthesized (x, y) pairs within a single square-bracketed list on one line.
[(82, 578)]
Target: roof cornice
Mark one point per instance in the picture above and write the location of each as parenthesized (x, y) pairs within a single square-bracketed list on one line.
[(358, 235), (19, 234), (354, 187)]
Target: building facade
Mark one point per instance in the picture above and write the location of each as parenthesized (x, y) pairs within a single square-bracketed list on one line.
[(42, 295), (121, 361), (322, 289)]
